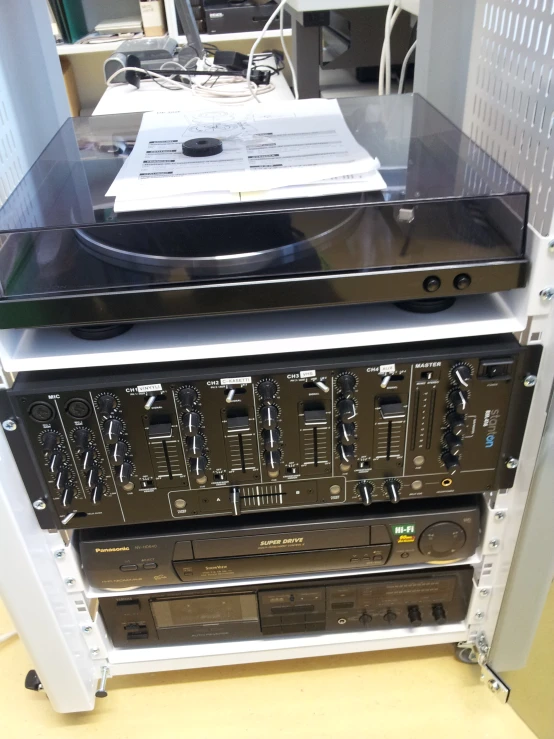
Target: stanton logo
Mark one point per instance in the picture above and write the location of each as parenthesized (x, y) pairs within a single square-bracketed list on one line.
[(490, 422), (112, 549), (275, 542)]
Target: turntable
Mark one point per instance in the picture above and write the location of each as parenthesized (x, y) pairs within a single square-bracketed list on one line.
[(450, 223)]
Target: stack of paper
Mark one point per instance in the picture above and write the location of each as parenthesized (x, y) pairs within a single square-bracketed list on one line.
[(298, 149)]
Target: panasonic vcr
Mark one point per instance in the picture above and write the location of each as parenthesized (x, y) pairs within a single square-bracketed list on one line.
[(173, 442)]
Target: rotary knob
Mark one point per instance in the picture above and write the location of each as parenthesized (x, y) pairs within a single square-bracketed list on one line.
[(439, 614), (55, 461), (365, 619), (454, 443), (456, 422), (414, 615), (50, 441), (451, 462), (106, 404), (112, 429), (195, 445), (271, 439), (364, 490), (347, 432), (87, 460), (347, 410), (81, 438), (198, 467), (272, 460), (390, 616), (191, 423), (346, 384), (62, 479), (97, 493), (187, 397), (461, 374), (123, 473), (92, 478), (267, 390), (268, 416), (458, 398), (347, 454), (392, 489), (67, 496), (441, 540), (119, 451)]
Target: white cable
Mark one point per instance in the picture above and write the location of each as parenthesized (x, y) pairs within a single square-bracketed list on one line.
[(385, 65), (262, 33), (5, 637), (154, 75), (405, 67), (286, 53)]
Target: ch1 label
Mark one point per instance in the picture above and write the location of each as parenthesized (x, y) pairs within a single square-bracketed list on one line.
[(235, 380)]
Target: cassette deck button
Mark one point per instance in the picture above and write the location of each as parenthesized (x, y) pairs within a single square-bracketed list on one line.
[(128, 568)]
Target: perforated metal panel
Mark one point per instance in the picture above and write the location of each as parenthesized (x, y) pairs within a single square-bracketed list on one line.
[(510, 102)]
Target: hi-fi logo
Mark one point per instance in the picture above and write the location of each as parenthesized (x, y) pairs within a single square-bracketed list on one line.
[(490, 422)]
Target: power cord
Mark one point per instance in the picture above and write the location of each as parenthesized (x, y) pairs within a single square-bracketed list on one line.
[(405, 67), (385, 72)]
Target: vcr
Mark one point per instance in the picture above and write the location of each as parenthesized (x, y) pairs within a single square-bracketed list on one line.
[(300, 544), (365, 603), (180, 441)]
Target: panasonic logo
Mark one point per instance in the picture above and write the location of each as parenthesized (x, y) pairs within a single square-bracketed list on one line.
[(276, 542), (112, 549)]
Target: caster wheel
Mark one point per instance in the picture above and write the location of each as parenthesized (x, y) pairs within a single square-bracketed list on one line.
[(32, 681), (466, 655)]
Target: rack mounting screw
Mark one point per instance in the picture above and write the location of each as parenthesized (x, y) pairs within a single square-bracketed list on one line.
[(530, 380), (479, 615), (494, 543), (60, 554), (494, 686), (39, 504), (102, 692), (499, 516), (70, 581), (546, 294), (512, 463), (9, 424), (484, 592), (87, 629), (94, 652)]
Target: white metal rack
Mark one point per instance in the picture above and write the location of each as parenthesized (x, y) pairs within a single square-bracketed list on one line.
[(54, 609)]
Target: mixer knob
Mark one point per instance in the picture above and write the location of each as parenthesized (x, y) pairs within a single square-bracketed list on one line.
[(392, 489), (451, 462), (187, 397), (347, 410), (67, 496), (267, 390), (365, 619), (458, 398), (50, 441), (269, 415), (124, 472), (272, 460), (347, 454), (61, 479), (439, 614), (81, 438), (346, 384), (112, 429), (191, 423), (195, 444), (364, 490), (198, 467), (106, 404), (454, 443), (414, 614), (390, 616), (456, 422), (461, 374), (118, 452), (87, 460), (271, 439), (92, 477), (97, 493), (55, 461), (347, 432)]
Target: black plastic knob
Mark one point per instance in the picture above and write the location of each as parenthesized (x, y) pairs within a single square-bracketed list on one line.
[(461, 374), (414, 614), (392, 489), (458, 398), (451, 462), (347, 432), (67, 496), (456, 422), (269, 415), (191, 423), (55, 461), (123, 473), (50, 441), (271, 439), (198, 466), (346, 384), (97, 492), (92, 478), (112, 429), (267, 390), (119, 451), (62, 478), (81, 438), (106, 404), (365, 619), (390, 617), (187, 397), (347, 453), (195, 445), (272, 460), (439, 614), (364, 490), (454, 443), (87, 460), (347, 410)]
